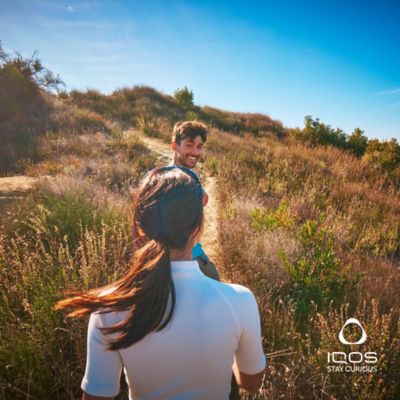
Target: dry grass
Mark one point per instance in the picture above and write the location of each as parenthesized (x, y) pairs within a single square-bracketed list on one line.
[(75, 231), (360, 207), (130, 106), (70, 233), (21, 134)]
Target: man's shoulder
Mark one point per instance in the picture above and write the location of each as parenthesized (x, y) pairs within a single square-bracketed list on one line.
[(191, 169)]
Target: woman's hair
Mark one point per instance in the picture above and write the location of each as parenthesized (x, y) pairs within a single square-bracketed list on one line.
[(167, 210)]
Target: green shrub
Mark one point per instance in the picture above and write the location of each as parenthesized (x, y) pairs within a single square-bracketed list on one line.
[(270, 219), (69, 241), (317, 277), (192, 115), (318, 133), (357, 142), (386, 153), (64, 217), (184, 97)]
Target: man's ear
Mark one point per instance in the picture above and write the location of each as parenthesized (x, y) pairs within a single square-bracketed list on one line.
[(173, 145)]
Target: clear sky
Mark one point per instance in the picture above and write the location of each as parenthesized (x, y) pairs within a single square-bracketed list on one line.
[(335, 60)]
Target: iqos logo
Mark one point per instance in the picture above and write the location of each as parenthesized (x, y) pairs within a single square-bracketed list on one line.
[(355, 361), (356, 322)]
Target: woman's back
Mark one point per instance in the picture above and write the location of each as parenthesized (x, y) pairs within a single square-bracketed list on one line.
[(175, 331), (192, 357)]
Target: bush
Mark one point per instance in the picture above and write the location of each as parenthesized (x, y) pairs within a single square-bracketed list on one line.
[(386, 153), (63, 211), (317, 277), (318, 133), (69, 240), (357, 142), (148, 126), (128, 106), (272, 218), (27, 111), (23, 108), (184, 97), (28, 69)]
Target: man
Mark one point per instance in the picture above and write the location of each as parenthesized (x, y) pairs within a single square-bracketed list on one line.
[(188, 140)]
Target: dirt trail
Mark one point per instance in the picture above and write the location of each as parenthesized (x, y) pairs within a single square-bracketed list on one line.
[(14, 187), (16, 184), (209, 240)]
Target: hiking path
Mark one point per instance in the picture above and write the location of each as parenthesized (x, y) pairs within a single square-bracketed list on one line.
[(209, 239), (14, 187)]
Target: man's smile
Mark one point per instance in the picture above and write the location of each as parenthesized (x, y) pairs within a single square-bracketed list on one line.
[(188, 152)]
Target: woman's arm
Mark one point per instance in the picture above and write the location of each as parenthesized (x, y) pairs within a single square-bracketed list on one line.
[(250, 362), (103, 366), (251, 383)]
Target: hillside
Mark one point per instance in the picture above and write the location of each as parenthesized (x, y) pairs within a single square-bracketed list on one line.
[(145, 106), (313, 230)]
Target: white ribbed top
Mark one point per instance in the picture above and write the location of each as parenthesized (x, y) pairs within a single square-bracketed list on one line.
[(213, 325)]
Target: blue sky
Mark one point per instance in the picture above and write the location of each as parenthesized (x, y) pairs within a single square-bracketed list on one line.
[(338, 61)]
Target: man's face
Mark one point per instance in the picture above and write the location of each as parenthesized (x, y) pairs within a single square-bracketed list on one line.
[(188, 151)]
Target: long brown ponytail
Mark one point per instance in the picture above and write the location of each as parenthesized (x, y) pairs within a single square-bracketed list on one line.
[(167, 210)]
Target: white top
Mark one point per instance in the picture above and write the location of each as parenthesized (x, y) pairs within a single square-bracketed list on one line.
[(214, 324)]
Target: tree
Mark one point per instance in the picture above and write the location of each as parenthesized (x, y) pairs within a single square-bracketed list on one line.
[(24, 109), (357, 142), (385, 153), (30, 69), (184, 97), (318, 133)]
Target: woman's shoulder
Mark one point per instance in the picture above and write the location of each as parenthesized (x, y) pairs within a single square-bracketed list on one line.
[(239, 300), (234, 292), (105, 318)]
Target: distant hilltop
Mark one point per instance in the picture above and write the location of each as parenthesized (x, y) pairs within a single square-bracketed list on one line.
[(32, 103)]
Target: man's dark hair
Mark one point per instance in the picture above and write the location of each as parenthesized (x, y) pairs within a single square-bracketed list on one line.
[(189, 129)]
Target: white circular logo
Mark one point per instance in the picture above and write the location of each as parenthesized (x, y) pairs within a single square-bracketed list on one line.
[(348, 322)]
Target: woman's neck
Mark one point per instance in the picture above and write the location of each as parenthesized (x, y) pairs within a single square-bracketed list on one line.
[(181, 254)]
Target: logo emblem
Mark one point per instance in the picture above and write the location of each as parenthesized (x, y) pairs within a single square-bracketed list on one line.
[(356, 322)]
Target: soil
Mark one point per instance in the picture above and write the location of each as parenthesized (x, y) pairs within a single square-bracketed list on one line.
[(14, 185)]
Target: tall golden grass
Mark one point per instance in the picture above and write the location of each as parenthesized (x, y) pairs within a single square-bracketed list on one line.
[(268, 190), (71, 231), (286, 210)]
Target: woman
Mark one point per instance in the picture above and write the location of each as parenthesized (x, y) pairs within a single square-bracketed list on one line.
[(176, 332)]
